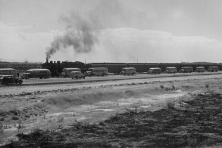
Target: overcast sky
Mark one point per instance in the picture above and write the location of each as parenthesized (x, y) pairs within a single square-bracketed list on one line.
[(111, 30)]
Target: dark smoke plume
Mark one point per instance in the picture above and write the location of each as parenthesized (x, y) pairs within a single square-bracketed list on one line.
[(84, 25), (79, 34)]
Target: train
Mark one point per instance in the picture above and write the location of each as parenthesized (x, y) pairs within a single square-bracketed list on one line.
[(116, 68)]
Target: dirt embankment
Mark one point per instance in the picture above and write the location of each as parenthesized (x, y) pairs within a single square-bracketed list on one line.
[(192, 123), (108, 115)]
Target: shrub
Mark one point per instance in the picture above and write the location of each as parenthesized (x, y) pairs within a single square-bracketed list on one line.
[(207, 85), (170, 104), (166, 88), (156, 88), (161, 86), (60, 119), (1, 128), (173, 87), (187, 86)]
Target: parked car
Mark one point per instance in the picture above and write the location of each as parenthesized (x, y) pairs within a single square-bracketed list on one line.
[(171, 70), (38, 73), (97, 71), (8, 71), (77, 75), (186, 69), (10, 79), (66, 72), (213, 69), (200, 69), (25, 75), (128, 71), (155, 70)]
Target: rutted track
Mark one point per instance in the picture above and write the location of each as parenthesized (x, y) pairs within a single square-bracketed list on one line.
[(55, 81)]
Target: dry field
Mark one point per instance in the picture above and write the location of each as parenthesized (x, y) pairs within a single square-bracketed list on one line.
[(158, 112)]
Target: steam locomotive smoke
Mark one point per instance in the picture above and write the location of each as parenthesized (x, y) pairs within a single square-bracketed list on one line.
[(85, 23), (79, 35)]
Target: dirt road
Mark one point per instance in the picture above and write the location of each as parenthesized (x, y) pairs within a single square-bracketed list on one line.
[(21, 89)]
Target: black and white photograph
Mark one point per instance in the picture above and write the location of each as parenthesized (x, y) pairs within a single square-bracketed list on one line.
[(110, 74)]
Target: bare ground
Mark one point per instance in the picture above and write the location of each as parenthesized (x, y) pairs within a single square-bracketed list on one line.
[(101, 107)]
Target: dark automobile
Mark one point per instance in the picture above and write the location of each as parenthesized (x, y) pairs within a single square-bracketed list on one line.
[(88, 74), (25, 76), (38, 73), (213, 69), (156, 70), (186, 69), (10, 79), (200, 69)]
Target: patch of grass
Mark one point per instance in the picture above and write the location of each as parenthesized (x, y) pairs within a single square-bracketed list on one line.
[(170, 104), (181, 100), (1, 132), (167, 88), (187, 86), (1, 128), (156, 88), (207, 86), (39, 105), (161, 86), (60, 119), (167, 127), (174, 87)]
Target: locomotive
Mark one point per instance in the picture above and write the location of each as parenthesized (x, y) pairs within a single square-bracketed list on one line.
[(57, 67)]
